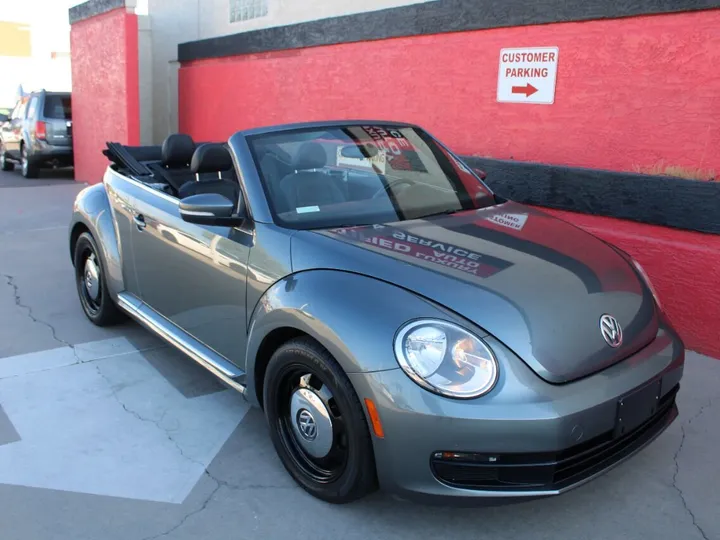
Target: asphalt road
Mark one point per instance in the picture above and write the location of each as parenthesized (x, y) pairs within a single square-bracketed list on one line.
[(109, 434)]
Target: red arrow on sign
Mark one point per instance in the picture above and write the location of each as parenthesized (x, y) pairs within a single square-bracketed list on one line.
[(528, 90)]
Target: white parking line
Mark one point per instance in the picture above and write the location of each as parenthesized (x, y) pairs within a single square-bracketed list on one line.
[(101, 420), (23, 364)]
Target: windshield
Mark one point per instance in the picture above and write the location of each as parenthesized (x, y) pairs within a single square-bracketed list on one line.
[(361, 175), (58, 106)]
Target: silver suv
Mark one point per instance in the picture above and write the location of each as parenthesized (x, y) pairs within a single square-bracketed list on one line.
[(38, 133)]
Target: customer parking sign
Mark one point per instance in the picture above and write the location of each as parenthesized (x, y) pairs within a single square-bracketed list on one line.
[(528, 75)]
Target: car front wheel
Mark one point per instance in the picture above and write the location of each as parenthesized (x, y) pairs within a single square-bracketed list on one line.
[(317, 423), (91, 284)]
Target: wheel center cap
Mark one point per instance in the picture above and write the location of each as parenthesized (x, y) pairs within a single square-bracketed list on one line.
[(306, 425), (92, 279), (311, 422)]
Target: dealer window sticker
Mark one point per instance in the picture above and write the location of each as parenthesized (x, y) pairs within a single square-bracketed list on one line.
[(307, 209), (509, 220)]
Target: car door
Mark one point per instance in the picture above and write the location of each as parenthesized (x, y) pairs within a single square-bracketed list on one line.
[(193, 275), (13, 130)]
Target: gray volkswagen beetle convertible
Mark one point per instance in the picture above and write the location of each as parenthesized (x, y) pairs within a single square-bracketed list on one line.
[(400, 325)]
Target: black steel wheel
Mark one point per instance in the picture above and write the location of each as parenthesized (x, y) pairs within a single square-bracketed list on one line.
[(91, 285), (317, 423)]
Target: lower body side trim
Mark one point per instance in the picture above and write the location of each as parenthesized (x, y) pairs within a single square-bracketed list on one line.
[(159, 325)]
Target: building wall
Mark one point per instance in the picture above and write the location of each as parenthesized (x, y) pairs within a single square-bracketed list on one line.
[(179, 21), (684, 268), (214, 17), (631, 93), (106, 88), (145, 74)]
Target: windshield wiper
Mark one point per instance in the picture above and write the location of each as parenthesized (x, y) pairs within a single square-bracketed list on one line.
[(443, 213)]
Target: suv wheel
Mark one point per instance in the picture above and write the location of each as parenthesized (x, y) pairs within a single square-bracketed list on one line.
[(29, 169), (5, 165)]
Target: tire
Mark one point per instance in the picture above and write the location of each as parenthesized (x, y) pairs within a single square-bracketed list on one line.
[(347, 472), (95, 299), (27, 167), (5, 164)]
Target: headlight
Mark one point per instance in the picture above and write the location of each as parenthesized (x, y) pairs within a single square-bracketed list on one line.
[(646, 278), (446, 359)]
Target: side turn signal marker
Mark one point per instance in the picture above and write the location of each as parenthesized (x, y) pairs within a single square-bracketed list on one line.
[(374, 418)]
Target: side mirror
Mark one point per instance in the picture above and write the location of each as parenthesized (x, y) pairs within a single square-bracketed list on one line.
[(482, 174), (209, 209), (3, 118)]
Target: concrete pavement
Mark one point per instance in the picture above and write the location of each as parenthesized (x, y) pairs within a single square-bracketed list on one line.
[(110, 434)]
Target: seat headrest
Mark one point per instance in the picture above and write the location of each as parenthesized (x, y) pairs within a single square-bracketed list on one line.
[(211, 157), (177, 150), (311, 155)]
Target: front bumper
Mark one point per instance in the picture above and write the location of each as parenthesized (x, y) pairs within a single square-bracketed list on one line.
[(527, 438)]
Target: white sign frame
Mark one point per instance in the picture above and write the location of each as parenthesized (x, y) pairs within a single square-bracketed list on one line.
[(537, 82)]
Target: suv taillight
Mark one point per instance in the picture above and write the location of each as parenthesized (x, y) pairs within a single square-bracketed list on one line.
[(40, 130)]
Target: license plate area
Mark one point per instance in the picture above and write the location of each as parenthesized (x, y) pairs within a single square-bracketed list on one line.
[(636, 408)]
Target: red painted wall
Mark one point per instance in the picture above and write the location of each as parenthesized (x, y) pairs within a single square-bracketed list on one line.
[(630, 92), (106, 99), (684, 268)]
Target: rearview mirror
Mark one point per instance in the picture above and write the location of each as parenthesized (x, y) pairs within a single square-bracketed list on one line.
[(209, 209), (359, 152)]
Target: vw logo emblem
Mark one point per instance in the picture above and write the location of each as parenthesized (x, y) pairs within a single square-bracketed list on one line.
[(611, 331), (306, 425)]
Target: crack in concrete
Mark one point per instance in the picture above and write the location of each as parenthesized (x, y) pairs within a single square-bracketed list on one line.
[(677, 469), (218, 482), (187, 516), (206, 502), (29, 312)]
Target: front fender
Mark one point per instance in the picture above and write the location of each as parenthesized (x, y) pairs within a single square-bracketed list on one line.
[(92, 210), (355, 317)]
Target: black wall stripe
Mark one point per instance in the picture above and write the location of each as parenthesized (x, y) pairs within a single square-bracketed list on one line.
[(428, 18), (93, 7), (657, 200)]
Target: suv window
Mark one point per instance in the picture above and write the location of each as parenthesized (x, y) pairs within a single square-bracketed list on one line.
[(58, 106), (19, 111), (32, 107)]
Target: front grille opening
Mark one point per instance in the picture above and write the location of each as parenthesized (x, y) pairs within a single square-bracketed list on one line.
[(549, 470)]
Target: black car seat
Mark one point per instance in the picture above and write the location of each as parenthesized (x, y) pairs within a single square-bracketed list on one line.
[(177, 152), (214, 172), (309, 185)]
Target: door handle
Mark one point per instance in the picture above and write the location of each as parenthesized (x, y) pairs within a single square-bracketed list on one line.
[(140, 222)]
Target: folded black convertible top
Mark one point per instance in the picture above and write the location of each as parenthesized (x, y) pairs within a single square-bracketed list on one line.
[(130, 157)]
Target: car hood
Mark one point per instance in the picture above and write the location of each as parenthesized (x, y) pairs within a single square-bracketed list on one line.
[(537, 283)]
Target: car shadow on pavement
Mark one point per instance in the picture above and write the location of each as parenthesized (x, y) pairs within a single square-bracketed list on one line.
[(46, 177)]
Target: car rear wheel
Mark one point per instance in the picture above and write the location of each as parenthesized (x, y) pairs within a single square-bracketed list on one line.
[(5, 165), (91, 284), (29, 169), (317, 423)]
